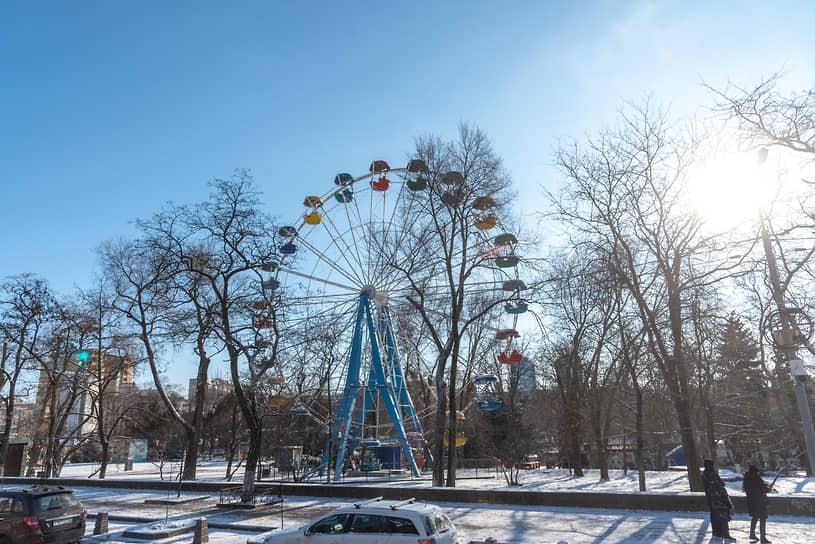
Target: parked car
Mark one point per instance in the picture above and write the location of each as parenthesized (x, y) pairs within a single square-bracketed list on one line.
[(374, 521), (531, 461), (41, 514)]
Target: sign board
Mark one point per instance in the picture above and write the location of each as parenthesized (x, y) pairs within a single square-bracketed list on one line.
[(138, 450)]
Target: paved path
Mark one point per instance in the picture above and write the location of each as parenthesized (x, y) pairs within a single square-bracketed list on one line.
[(510, 524)]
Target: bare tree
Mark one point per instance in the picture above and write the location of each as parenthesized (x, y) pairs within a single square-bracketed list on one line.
[(110, 359), (43, 334), (445, 243), (312, 385), (224, 242), (194, 321), (626, 194), (583, 301), (703, 324), (25, 309), (142, 277), (630, 351), (65, 406), (766, 116)]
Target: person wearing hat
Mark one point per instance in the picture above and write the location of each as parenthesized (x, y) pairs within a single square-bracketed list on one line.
[(756, 490), (718, 501)]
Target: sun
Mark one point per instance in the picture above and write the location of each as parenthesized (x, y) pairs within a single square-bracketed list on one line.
[(729, 191)]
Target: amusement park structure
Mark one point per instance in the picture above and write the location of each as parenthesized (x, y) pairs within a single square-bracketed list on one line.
[(341, 260)]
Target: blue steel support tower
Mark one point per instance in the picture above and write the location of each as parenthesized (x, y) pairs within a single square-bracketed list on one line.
[(385, 380)]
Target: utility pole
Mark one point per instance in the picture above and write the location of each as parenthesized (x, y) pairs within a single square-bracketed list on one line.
[(796, 365), (799, 374)]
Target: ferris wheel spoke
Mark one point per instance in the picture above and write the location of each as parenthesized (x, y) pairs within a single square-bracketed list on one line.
[(330, 262), (392, 275), (382, 237), (370, 235), (480, 325), (376, 242), (333, 312), (405, 276), (357, 238), (386, 233), (339, 238), (370, 242), (322, 306), (350, 289)]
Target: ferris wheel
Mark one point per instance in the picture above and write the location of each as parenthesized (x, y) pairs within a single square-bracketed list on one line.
[(349, 262)]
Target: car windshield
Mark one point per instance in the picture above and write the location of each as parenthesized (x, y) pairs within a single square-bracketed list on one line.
[(54, 502)]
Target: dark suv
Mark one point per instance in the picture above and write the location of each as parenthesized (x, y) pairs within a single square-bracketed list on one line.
[(41, 515)]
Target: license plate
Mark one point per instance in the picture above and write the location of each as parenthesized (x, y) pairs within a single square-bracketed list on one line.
[(60, 522)]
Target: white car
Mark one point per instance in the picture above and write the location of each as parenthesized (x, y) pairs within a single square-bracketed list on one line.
[(374, 521)]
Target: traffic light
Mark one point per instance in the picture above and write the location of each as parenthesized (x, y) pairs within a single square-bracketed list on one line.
[(80, 357)]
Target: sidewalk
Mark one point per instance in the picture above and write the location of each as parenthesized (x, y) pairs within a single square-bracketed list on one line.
[(475, 522)]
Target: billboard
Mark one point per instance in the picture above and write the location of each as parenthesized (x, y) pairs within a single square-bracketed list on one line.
[(138, 450)]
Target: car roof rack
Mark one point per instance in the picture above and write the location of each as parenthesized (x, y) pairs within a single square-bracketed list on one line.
[(398, 504), (39, 488), (365, 503)]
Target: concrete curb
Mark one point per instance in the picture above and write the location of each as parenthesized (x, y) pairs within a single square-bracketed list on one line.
[(240, 527)]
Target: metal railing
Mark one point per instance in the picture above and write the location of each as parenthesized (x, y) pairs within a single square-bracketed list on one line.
[(233, 496)]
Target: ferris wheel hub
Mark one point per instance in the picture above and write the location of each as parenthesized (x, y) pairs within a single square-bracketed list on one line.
[(380, 297), (369, 290)]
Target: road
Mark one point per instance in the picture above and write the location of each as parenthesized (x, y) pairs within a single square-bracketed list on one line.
[(509, 524)]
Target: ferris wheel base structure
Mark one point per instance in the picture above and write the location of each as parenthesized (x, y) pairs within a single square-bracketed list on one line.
[(385, 382)]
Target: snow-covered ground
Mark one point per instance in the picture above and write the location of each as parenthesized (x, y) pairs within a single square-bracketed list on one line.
[(671, 482), (509, 524)]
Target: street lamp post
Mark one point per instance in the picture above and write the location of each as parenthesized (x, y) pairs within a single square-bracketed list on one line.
[(797, 369)]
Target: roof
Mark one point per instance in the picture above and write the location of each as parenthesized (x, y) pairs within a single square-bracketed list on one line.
[(379, 505), (37, 490)]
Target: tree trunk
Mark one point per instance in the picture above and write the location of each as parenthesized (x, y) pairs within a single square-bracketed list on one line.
[(5, 439), (602, 457), (679, 389), (100, 402), (194, 430), (7, 427), (451, 447), (639, 454), (710, 429), (34, 454), (252, 456), (689, 443), (452, 451), (574, 441), (232, 443), (191, 452), (49, 448), (441, 431), (600, 427), (105, 456)]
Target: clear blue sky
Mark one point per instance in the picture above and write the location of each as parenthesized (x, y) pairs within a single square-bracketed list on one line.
[(110, 109)]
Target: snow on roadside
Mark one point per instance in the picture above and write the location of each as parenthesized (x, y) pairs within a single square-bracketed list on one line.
[(671, 482)]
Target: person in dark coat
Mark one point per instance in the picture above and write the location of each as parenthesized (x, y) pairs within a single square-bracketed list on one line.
[(756, 490), (721, 509)]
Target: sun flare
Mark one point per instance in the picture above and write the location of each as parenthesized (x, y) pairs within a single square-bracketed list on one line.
[(729, 190)]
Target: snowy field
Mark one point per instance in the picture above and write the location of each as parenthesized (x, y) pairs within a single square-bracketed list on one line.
[(475, 522), (673, 482)]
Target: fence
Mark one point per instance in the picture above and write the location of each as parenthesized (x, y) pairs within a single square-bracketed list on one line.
[(479, 468), (232, 496)]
